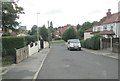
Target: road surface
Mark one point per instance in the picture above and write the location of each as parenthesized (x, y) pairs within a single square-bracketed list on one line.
[(63, 64)]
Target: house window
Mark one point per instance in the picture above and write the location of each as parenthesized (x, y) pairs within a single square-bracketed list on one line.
[(98, 29), (105, 28), (111, 27)]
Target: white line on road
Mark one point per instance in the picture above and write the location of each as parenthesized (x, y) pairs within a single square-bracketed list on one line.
[(98, 63), (105, 74)]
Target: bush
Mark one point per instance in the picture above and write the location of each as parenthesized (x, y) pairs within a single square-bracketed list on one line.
[(17, 42), (69, 34), (92, 43), (8, 60), (82, 43), (12, 42), (29, 39)]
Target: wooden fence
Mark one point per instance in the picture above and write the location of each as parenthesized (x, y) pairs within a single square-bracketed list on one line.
[(111, 43)]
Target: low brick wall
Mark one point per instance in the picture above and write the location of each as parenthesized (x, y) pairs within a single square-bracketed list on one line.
[(21, 54)]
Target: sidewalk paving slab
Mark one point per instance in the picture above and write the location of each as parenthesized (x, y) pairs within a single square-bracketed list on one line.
[(27, 68), (102, 52)]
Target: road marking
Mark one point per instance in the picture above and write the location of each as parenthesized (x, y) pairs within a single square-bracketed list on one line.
[(105, 74), (98, 63), (66, 66)]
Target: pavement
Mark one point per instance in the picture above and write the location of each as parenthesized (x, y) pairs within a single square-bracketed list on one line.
[(28, 68), (103, 52)]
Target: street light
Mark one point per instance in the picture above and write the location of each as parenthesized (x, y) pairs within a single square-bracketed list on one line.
[(37, 27), (38, 31)]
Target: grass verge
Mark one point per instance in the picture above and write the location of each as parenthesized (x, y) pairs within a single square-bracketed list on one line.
[(57, 42)]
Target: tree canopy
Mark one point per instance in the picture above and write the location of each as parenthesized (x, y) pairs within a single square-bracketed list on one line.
[(69, 34), (44, 33), (10, 14), (85, 26)]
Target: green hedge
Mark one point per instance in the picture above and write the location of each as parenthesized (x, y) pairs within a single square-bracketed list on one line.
[(9, 44), (92, 43), (29, 39), (17, 42), (13, 42)]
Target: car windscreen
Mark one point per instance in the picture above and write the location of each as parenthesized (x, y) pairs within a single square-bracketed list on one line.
[(74, 41)]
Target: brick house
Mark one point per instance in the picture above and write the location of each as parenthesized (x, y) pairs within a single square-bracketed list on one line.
[(108, 26), (59, 33)]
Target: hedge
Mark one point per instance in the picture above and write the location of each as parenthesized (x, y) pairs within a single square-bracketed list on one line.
[(13, 42), (17, 42), (92, 43), (9, 44)]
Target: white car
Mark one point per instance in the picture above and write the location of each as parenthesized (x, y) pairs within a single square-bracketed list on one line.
[(73, 44)]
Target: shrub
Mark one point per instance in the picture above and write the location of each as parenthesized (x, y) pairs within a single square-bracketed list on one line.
[(13, 42), (29, 39), (92, 43), (82, 43), (69, 34)]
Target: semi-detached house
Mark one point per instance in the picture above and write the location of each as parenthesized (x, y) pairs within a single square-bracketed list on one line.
[(108, 26)]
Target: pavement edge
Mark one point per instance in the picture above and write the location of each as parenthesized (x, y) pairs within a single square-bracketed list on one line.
[(36, 74)]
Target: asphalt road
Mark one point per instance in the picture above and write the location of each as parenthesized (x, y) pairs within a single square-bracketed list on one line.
[(63, 64)]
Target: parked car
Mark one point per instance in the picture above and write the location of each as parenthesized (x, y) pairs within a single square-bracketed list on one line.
[(73, 44)]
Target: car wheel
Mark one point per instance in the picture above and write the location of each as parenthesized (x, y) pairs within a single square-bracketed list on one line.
[(67, 48), (79, 49)]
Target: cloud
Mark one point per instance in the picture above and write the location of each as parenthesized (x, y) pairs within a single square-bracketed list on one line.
[(54, 11)]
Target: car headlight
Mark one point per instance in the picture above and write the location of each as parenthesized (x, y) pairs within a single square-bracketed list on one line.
[(79, 45), (71, 45)]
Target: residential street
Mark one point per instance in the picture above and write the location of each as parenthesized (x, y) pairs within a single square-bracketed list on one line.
[(63, 64)]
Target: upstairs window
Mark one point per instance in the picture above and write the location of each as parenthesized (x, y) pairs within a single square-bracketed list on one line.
[(105, 28), (111, 27)]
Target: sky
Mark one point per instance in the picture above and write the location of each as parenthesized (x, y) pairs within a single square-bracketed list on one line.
[(62, 12)]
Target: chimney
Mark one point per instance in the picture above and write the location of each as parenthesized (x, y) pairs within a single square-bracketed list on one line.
[(109, 13)]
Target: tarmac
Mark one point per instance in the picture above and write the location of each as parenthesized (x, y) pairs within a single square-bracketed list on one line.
[(30, 67)]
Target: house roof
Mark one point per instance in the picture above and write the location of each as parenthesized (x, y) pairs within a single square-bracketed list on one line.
[(105, 32), (112, 19), (62, 30), (89, 30)]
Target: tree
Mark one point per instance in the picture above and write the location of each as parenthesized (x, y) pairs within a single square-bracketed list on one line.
[(78, 27), (10, 14), (44, 33), (33, 30), (85, 26), (69, 34), (51, 24)]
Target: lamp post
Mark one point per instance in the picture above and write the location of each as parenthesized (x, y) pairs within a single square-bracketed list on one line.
[(38, 31)]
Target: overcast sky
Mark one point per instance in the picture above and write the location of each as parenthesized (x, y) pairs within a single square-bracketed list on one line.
[(62, 12)]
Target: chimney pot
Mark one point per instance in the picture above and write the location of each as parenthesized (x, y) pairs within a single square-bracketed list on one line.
[(109, 13)]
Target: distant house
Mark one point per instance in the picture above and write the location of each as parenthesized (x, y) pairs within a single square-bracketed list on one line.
[(87, 33), (23, 31), (59, 33), (108, 26), (22, 28)]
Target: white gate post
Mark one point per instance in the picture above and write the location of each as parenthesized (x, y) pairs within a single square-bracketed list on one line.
[(111, 43), (100, 43)]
